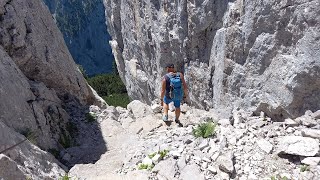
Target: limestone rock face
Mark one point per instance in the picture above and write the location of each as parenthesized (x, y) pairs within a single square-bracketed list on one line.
[(33, 41), (38, 74), (40, 86), (25, 160), (257, 55)]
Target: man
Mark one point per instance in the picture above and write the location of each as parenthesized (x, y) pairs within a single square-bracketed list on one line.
[(165, 97)]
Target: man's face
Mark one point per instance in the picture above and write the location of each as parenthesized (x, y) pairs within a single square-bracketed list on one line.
[(170, 69)]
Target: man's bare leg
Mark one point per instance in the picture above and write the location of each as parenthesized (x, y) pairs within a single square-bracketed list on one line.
[(165, 110), (177, 112)]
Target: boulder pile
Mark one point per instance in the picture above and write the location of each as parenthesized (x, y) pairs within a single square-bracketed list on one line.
[(245, 146)]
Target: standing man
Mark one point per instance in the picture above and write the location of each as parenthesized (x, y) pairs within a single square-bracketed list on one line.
[(166, 92)]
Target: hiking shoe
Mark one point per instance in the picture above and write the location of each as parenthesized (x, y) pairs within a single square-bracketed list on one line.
[(165, 117), (178, 122)]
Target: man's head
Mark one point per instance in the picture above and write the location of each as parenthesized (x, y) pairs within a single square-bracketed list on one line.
[(170, 67)]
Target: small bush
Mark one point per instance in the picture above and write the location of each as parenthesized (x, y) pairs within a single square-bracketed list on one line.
[(145, 166), (90, 117), (117, 100), (54, 152), (65, 177), (30, 135), (163, 153), (111, 88), (107, 84), (152, 155), (304, 168), (204, 130), (72, 128), (65, 140), (142, 166)]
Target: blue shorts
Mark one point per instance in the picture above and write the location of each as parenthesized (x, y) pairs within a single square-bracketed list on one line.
[(175, 103)]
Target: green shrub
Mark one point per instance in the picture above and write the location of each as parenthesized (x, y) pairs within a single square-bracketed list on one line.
[(163, 153), (65, 177), (145, 166), (54, 152), (107, 84), (117, 100), (304, 168), (204, 130), (111, 88), (30, 135), (152, 155), (65, 140), (90, 117)]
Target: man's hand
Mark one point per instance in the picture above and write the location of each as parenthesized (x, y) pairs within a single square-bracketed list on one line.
[(186, 99)]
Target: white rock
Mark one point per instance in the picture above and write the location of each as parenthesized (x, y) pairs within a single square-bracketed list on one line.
[(314, 133), (139, 109), (166, 168), (313, 161), (212, 169), (215, 156), (290, 122), (175, 153), (190, 172), (296, 145), (156, 108), (181, 162), (156, 159), (147, 161), (225, 162), (204, 165), (224, 122), (290, 130), (206, 159), (237, 119), (265, 145), (184, 108), (203, 144)]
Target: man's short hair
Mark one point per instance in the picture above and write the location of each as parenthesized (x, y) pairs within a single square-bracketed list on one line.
[(170, 65)]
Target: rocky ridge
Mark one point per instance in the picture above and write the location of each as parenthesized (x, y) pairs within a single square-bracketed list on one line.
[(244, 146)]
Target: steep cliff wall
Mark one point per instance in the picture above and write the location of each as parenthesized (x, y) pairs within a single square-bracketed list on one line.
[(39, 82), (258, 55), (82, 25)]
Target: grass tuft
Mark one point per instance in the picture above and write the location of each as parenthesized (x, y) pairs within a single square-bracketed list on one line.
[(91, 117), (204, 130), (304, 168)]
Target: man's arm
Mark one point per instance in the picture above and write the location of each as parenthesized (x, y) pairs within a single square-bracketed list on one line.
[(163, 90)]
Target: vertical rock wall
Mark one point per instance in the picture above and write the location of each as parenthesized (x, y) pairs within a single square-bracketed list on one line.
[(39, 82), (257, 55)]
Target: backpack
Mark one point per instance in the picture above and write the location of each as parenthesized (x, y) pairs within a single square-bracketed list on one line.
[(175, 92)]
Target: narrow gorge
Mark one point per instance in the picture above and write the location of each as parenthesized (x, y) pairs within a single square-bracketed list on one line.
[(252, 70)]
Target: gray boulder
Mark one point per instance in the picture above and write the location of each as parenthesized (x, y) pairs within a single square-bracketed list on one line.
[(297, 145)]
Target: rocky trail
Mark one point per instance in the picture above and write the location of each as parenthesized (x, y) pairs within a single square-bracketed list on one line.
[(136, 144)]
